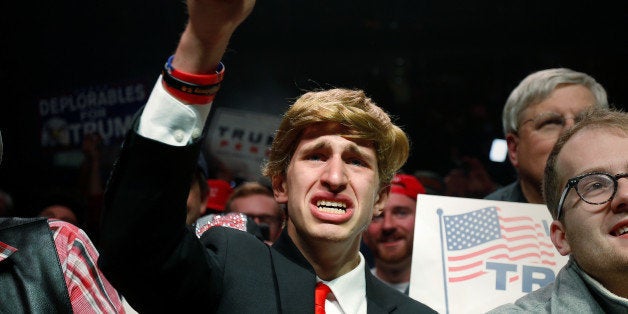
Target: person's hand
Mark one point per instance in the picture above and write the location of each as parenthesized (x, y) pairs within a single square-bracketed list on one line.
[(210, 26)]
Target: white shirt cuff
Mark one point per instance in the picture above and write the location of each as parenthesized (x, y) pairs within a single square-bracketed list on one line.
[(168, 120)]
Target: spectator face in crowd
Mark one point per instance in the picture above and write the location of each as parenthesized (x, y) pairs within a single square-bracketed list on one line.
[(59, 212), (390, 235), (258, 203), (591, 211), (536, 112), (6, 203), (61, 204)]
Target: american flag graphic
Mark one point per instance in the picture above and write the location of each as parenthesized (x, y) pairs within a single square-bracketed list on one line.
[(488, 234)]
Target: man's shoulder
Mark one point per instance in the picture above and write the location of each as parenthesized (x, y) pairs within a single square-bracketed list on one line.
[(378, 292), (219, 238), (568, 293), (509, 193), (537, 301)]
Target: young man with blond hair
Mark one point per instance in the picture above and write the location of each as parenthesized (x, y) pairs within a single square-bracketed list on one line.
[(330, 163)]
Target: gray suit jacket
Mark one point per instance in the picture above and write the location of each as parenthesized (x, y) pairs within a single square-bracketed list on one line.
[(569, 293)]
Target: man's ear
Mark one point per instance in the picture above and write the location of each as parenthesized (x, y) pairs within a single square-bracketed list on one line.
[(559, 237), (280, 189), (380, 200), (512, 141), (203, 205)]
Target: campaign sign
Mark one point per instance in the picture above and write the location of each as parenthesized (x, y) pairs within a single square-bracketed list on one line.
[(107, 110), (240, 139), (473, 255)]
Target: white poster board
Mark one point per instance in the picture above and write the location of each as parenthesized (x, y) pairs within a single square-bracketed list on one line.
[(473, 255), (240, 139)]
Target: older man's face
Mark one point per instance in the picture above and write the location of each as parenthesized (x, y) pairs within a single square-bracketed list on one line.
[(538, 130)]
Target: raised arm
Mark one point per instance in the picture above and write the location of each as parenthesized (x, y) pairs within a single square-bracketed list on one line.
[(147, 252)]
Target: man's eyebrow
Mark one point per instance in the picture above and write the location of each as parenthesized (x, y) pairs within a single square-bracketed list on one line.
[(603, 168), (316, 146), (354, 148)]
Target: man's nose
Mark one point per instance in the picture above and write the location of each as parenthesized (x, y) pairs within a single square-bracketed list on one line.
[(335, 174), (620, 201), (569, 122), (388, 222)]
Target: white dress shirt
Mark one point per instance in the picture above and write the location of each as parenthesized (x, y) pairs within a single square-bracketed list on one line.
[(348, 292), (168, 120)]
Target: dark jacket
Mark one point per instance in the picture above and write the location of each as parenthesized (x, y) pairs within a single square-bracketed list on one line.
[(510, 193), (150, 256), (31, 279)]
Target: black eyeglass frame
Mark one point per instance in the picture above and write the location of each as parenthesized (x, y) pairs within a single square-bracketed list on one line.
[(573, 183)]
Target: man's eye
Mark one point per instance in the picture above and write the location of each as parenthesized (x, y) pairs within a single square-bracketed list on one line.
[(594, 186), (554, 121), (314, 157), (402, 213), (356, 162)]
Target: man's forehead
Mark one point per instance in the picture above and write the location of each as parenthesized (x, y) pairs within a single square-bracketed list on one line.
[(591, 149), (314, 134)]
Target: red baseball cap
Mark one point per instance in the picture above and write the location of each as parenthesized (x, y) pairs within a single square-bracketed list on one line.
[(406, 184), (219, 191)]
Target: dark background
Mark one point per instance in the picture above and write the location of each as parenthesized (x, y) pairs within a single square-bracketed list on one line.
[(443, 69)]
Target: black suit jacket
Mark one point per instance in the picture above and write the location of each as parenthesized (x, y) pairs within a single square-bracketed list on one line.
[(150, 256)]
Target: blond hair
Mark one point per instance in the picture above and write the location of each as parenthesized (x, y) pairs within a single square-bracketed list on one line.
[(351, 109)]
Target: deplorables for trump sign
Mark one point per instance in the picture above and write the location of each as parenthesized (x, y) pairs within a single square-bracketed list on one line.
[(107, 110), (471, 255)]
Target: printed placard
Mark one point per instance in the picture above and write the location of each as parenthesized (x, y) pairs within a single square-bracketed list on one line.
[(473, 255)]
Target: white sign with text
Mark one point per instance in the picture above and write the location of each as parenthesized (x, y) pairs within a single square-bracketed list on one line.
[(473, 255)]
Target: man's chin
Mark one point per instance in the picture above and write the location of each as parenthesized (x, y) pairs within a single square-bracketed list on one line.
[(392, 255)]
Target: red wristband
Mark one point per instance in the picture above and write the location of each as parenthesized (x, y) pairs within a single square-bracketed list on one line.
[(191, 99), (192, 88)]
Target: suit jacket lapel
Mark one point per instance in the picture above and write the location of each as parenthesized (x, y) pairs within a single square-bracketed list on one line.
[(296, 278), (376, 298)]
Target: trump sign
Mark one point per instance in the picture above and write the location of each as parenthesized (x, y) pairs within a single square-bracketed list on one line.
[(472, 255)]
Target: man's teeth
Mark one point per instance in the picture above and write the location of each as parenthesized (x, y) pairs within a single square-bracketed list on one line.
[(621, 231), (332, 207)]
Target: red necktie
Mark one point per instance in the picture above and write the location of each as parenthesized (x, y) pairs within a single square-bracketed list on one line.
[(320, 294)]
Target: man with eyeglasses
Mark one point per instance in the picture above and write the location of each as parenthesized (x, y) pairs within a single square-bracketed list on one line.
[(257, 202), (586, 190), (537, 111)]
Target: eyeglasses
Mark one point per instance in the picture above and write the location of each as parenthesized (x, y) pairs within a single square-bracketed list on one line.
[(271, 221), (594, 188), (548, 122)]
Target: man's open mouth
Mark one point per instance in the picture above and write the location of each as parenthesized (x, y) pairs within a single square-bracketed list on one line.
[(620, 231), (331, 207)]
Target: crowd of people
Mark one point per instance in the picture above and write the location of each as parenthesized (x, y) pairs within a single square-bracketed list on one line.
[(332, 227)]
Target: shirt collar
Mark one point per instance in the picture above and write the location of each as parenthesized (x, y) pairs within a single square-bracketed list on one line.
[(350, 288), (599, 287)]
